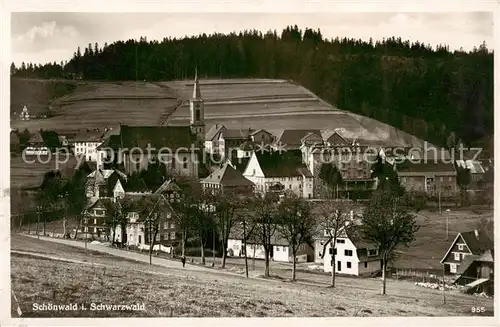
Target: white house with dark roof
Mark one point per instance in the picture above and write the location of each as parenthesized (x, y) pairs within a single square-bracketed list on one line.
[(85, 143), (273, 171), (354, 255), (280, 249)]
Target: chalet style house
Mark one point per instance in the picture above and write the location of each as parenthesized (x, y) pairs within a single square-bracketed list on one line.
[(279, 172), (134, 147), (232, 143), (354, 255), (466, 245), (228, 180), (43, 143), (431, 177)]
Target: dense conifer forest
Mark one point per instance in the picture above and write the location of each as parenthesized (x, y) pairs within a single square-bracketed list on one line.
[(436, 94)]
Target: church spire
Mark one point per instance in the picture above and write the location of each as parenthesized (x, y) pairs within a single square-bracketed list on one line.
[(196, 87)]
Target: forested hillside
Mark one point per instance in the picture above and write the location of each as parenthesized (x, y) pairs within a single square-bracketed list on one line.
[(431, 93)]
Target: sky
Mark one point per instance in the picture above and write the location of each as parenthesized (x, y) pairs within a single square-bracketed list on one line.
[(41, 37)]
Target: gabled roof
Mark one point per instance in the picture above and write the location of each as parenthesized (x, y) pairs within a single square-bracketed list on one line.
[(293, 137), (227, 175), (259, 130), (286, 164), (476, 245), (104, 202), (337, 139), (168, 185), (311, 136), (85, 135), (241, 164), (465, 264), (49, 138), (213, 132), (112, 141), (236, 134), (172, 137)]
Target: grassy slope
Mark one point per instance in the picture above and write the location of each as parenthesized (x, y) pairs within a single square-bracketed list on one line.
[(177, 292)]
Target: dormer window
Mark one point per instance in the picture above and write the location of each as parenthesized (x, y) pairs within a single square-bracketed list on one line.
[(460, 247)]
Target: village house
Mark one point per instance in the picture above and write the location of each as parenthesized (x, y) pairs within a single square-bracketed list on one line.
[(240, 142), (354, 255), (280, 249), (433, 178), (104, 183), (279, 172), (291, 139), (228, 180), (85, 144), (136, 231), (96, 213), (350, 158), (476, 273), (24, 115), (43, 143), (466, 244)]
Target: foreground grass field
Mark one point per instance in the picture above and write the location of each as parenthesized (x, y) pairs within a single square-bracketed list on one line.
[(100, 278)]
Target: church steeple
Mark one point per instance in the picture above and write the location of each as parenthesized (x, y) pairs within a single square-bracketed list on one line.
[(196, 86), (197, 110)]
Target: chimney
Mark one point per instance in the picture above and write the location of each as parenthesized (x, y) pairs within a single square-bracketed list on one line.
[(476, 233)]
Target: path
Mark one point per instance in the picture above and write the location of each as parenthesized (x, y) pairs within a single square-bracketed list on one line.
[(128, 255)]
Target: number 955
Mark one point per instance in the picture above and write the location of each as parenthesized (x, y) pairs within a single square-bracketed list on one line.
[(478, 309)]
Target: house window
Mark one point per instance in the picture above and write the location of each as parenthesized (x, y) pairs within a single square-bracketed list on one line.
[(290, 186), (277, 249), (440, 179), (348, 253), (172, 225), (172, 236), (460, 247), (165, 225), (449, 179), (348, 264), (366, 264), (198, 115), (99, 212), (140, 239), (341, 241), (332, 251), (372, 252), (453, 268), (457, 256), (254, 172)]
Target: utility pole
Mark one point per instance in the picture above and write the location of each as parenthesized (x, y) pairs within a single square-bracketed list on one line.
[(444, 288), (213, 247), (38, 209), (85, 222), (447, 222), (245, 247)]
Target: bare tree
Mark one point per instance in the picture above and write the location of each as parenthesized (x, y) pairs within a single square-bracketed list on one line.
[(387, 224), (154, 206), (184, 211), (265, 219), (332, 220), (296, 224), (225, 216)]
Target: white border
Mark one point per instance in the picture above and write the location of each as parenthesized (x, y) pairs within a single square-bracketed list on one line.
[(256, 6)]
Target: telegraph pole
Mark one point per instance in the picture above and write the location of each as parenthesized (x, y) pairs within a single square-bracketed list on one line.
[(447, 222), (38, 209), (444, 288), (85, 222)]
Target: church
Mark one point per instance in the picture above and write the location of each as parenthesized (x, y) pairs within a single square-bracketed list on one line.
[(176, 146)]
